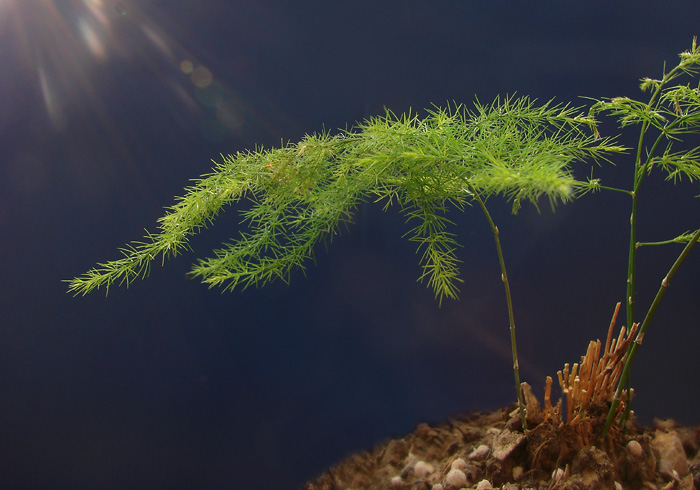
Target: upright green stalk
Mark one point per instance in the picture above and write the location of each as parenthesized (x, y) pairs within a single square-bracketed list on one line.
[(639, 173), (632, 259), (509, 301), (632, 255)]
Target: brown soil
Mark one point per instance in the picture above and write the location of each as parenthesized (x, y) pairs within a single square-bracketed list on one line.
[(490, 451)]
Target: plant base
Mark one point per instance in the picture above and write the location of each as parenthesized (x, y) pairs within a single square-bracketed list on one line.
[(490, 451)]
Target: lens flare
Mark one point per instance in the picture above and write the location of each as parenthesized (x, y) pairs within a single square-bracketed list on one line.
[(92, 63)]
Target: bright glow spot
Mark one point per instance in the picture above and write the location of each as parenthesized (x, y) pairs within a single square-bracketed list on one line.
[(186, 66), (201, 77), (92, 40), (96, 9), (53, 107)]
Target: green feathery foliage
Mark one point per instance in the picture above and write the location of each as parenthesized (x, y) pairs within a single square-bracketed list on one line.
[(303, 192)]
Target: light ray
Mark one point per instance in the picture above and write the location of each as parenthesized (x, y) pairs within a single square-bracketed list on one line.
[(86, 57)]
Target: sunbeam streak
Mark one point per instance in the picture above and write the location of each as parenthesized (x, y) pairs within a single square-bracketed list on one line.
[(107, 76), (68, 48)]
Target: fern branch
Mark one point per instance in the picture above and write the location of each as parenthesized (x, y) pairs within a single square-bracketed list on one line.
[(301, 193)]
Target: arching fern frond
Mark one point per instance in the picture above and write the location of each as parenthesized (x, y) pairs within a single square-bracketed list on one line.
[(301, 193)]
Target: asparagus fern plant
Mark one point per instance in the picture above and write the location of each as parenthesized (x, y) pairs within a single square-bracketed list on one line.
[(512, 148)]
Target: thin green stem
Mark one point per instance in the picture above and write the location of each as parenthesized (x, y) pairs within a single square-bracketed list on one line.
[(642, 329), (632, 254), (509, 301), (615, 189), (684, 238), (640, 171)]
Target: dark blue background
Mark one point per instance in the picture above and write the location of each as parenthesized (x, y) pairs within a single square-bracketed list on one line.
[(171, 385)]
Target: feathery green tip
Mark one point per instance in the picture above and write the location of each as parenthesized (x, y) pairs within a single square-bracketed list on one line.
[(303, 192)]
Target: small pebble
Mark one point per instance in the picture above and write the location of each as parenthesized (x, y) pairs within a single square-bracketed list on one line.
[(635, 448), (396, 482), (458, 464), (484, 485), (456, 479), (437, 486), (480, 452), (518, 473), (671, 455), (422, 469)]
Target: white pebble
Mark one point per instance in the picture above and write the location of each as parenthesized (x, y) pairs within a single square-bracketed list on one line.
[(484, 485), (458, 464), (618, 485), (396, 482), (437, 486), (635, 448), (557, 474), (422, 469), (480, 452), (456, 478)]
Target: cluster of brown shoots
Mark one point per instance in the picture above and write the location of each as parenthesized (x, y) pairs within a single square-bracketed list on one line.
[(592, 381)]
